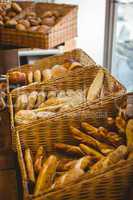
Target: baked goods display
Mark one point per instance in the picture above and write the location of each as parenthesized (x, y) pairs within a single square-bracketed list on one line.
[(97, 149), (39, 104), (14, 16), (45, 75)]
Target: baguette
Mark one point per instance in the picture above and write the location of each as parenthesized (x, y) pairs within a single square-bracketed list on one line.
[(92, 142), (119, 154), (70, 149), (46, 175), (29, 165), (40, 152), (96, 86), (90, 151), (103, 135), (121, 125)]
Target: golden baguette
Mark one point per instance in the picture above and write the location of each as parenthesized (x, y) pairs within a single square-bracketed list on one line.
[(129, 133), (82, 137), (38, 164), (40, 152), (119, 154), (70, 149), (90, 151), (121, 125), (46, 175), (29, 165), (96, 86), (92, 142), (102, 134)]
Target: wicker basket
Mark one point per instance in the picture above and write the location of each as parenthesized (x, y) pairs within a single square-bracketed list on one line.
[(77, 54), (82, 81), (65, 29), (111, 184)]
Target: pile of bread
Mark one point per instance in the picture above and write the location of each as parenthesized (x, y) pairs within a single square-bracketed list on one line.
[(98, 149), (42, 104), (29, 21), (38, 76), (8, 11)]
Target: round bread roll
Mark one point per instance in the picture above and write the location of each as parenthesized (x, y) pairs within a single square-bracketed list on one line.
[(31, 14), (11, 14), (16, 7), (6, 18), (58, 71), (34, 22), (20, 27), (75, 65), (25, 22), (49, 21), (43, 29), (47, 14), (33, 28), (56, 13), (47, 74), (1, 23), (11, 23)]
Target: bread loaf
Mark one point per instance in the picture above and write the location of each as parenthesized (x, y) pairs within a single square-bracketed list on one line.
[(46, 175), (32, 100), (96, 86)]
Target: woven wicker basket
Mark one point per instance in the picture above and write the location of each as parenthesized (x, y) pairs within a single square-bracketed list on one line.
[(111, 184), (77, 54), (65, 29), (82, 81)]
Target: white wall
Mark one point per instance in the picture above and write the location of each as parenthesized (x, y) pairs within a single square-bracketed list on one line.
[(91, 23)]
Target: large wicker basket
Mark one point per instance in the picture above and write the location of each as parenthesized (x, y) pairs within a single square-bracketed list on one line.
[(80, 80), (65, 29), (111, 184), (78, 55)]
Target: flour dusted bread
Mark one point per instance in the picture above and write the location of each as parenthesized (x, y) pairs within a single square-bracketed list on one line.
[(32, 100), (21, 102), (47, 74), (96, 86)]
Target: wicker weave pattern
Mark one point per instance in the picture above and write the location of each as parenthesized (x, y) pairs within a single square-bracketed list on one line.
[(111, 184), (64, 30)]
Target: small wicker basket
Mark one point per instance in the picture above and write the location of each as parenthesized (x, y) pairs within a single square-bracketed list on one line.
[(80, 80), (46, 63), (65, 29), (109, 184)]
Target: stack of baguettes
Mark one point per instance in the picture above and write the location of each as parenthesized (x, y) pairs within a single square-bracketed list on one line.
[(78, 154)]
